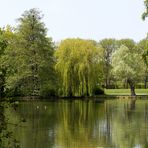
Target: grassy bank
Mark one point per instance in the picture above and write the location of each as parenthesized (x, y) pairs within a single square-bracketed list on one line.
[(125, 91)]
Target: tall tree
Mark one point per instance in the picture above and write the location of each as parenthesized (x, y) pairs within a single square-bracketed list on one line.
[(128, 65), (3, 45), (143, 47), (30, 56), (131, 45), (109, 46), (77, 64)]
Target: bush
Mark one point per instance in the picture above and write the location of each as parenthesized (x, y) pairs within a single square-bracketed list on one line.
[(47, 91), (98, 91)]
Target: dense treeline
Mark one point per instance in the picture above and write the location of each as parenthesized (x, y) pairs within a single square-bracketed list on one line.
[(31, 64)]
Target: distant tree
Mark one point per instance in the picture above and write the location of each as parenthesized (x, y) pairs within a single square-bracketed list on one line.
[(127, 42), (144, 16), (131, 45), (128, 65), (30, 57), (109, 46), (143, 47), (78, 66)]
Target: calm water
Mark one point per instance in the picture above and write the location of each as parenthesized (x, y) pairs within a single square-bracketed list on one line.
[(81, 124)]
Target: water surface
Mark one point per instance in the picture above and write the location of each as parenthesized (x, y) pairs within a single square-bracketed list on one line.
[(81, 124)]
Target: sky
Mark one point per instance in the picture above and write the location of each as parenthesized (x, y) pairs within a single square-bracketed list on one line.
[(87, 19)]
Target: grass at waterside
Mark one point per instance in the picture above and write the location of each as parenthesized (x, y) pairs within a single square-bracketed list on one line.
[(119, 92)]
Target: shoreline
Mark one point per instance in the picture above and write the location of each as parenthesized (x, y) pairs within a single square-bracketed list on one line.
[(99, 97)]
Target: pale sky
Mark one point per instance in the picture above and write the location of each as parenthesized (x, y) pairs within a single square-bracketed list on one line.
[(88, 19)]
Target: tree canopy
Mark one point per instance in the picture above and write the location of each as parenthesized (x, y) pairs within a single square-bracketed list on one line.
[(143, 46), (78, 63), (128, 65), (29, 57), (109, 46), (32, 65)]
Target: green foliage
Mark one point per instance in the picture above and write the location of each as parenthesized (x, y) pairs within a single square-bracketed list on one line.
[(145, 14), (109, 46), (78, 65), (28, 66), (3, 45), (143, 47), (126, 42), (29, 57), (128, 66)]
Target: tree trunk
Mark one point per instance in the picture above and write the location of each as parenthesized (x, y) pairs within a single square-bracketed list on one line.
[(132, 87), (87, 88), (70, 93), (132, 104), (2, 83), (126, 84), (133, 91), (106, 84), (145, 83)]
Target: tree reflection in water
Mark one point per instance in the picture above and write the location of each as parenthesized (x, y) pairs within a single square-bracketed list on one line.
[(7, 139), (81, 124)]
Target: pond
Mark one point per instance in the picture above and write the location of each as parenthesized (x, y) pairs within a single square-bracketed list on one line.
[(117, 123)]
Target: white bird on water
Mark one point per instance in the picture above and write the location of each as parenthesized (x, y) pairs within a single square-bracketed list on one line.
[(45, 107)]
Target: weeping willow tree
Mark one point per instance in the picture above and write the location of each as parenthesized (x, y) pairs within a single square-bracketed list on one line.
[(78, 66)]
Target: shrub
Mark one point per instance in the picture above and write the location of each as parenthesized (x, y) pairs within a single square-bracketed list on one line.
[(98, 91)]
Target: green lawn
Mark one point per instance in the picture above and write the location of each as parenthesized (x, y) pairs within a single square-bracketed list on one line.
[(125, 91)]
